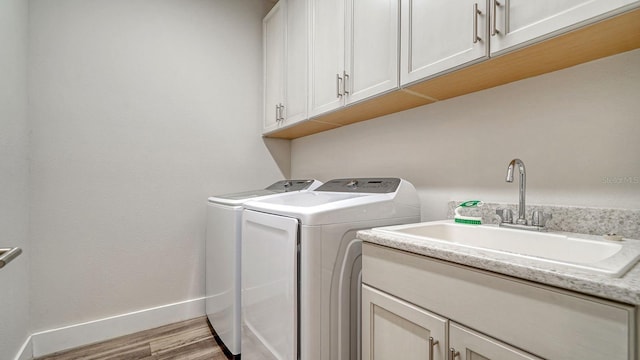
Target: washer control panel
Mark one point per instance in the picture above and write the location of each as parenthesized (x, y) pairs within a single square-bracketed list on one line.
[(290, 185), (361, 185)]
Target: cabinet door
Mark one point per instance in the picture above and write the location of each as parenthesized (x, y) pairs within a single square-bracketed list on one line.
[(438, 36), (327, 56), (466, 344), (394, 329), (273, 30), (516, 22), (297, 61), (372, 48)]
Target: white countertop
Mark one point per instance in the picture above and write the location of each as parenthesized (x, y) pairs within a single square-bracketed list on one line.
[(625, 289)]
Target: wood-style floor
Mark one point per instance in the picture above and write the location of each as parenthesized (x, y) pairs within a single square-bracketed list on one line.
[(187, 340)]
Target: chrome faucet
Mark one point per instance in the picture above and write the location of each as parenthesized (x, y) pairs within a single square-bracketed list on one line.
[(538, 218), (522, 219)]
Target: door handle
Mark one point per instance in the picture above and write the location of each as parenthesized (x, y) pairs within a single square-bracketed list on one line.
[(345, 82), (453, 354), (476, 12), (494, 27), (432, 343)]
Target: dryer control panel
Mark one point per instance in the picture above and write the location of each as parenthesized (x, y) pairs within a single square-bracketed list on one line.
[(361, 185)]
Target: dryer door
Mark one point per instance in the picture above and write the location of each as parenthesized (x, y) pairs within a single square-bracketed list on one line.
[(269, 286), (222, 277)]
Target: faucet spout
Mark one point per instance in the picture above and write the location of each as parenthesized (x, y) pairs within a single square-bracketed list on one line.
[(522, 220)]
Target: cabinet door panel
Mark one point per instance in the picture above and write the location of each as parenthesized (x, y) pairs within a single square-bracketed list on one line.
[(520, 21), (372, 62), (475, 346), (394, 329), (297, 61), (273, 28), (327, 55), (438, 36)]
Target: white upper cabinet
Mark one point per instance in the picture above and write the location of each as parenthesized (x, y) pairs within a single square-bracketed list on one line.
[(327, 55), (441, 35), (515, 22), (321, 56), (297, 61), (285, 37), (354, 51), (273, 56), (372, 43)]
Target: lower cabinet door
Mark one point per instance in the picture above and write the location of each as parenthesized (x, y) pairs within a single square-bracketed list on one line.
[(466, 344), (395, 329)]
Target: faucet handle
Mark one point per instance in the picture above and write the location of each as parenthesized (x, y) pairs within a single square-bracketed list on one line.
[(506, 215), (539, 218)]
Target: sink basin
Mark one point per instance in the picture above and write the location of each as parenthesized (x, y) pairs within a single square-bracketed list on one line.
[(585, 252)]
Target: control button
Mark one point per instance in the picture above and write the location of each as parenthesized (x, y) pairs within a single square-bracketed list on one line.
[(352, 184)]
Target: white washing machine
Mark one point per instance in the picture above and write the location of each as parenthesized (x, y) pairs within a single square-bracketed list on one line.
[(222, 276), (301, 266)]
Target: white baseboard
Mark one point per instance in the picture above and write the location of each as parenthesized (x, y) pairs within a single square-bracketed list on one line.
[(26, 351), (50, 341)]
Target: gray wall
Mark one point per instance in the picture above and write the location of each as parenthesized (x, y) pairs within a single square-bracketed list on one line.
[(14, 278), (577, 130), (140, 110)]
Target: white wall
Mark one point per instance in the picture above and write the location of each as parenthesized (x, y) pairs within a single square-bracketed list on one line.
[(14, 277), (577, 130), (140, 110)]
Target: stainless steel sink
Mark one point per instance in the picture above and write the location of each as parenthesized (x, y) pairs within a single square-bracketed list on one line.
[(585, 252)]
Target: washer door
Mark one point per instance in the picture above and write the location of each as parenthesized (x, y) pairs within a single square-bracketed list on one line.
[(269, 286)]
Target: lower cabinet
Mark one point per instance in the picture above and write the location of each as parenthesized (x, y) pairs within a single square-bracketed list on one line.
[(393, 328), (416, 307)]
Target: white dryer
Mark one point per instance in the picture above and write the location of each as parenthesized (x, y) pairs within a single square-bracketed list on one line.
[(222, 276), (301, 267)]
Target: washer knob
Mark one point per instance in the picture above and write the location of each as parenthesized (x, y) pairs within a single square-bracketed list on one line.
[(352, 184)]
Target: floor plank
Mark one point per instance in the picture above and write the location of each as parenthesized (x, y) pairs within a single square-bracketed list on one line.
[(202, 350), (181, 338), (186, 340)]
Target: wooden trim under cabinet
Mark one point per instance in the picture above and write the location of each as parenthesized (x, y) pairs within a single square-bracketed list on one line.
[(608, 37), (388, 103)]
